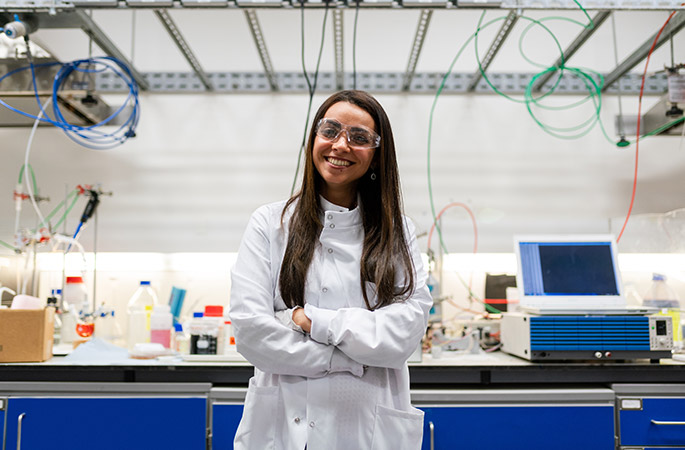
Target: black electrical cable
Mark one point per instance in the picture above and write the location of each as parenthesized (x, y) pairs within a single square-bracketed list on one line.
[(304, 69), (354, 46), (311, 87)]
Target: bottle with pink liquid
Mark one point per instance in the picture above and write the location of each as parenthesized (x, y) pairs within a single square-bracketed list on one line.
[(161, 322)]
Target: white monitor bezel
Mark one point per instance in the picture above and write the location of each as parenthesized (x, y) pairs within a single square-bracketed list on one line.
[(569, 301)]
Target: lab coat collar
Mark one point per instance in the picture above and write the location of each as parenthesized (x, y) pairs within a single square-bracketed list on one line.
[(341, 216)]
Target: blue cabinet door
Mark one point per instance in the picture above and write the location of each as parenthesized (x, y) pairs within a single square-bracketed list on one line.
[(520, 427), (225, 420), (637, 428), (3, 405), (108, 423)]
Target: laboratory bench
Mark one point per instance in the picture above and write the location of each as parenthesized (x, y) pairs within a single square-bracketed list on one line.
[(487, 401), (460, 370)]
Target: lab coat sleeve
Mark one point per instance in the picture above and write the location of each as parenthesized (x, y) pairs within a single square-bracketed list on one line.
[(261, 338), (385, 337)]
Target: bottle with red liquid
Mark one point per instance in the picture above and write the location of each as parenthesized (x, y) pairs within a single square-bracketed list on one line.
[(85, 328), (161, 322)]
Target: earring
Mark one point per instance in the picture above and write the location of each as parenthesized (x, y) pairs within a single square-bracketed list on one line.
[(373, 176)]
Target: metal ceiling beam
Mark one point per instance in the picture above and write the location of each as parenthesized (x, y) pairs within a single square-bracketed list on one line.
[(574, 47), (182, 45), (676, 24), (378, 82), (338, 45), (256, 30), (419, 37), (86, 23), (79, 18), (61, 6), (497, 43)]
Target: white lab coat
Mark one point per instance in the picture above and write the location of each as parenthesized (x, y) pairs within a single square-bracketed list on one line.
[(346, 385)]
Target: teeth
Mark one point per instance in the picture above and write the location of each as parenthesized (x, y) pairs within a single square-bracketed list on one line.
[(338, 162)]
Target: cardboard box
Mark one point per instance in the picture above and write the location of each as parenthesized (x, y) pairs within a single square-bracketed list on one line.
[(26, 334)]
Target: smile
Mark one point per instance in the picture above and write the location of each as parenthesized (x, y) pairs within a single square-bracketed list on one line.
[(338, 162)]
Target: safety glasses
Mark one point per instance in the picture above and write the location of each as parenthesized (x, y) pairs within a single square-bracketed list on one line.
[(358, 137)]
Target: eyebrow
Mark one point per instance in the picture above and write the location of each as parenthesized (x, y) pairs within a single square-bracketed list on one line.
[(352, 127), (358, 128)]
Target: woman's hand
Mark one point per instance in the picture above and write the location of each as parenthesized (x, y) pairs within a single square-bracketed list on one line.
[(301, 319)]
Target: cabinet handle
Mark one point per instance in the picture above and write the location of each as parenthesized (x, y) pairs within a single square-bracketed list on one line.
[(662, 422), (20, 419), (431, 427)]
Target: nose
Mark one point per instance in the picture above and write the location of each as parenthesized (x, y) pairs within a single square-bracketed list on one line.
[(341, 143)]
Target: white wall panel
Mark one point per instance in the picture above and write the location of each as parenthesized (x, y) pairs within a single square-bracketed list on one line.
[(202, 163)]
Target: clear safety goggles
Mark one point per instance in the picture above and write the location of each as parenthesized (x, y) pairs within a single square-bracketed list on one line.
[(358, 137)]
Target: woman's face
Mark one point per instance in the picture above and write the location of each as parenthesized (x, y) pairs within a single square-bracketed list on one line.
[(339, 165)]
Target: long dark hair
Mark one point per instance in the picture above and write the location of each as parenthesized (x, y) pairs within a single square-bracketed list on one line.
[(385, 249)]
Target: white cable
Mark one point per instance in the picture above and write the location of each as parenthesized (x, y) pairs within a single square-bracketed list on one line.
[(17, 215), (621, 124), (26, 163), (25, 271), (62, 239), (6, 289)]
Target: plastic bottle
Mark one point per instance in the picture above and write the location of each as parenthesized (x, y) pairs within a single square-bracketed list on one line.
[(53, 302), (203, 335), (181, 340), (660, 293), (139, 307), (55, 299), (160, 325), (662, 296), (69, 318), (229, 339), (195, 328), (117, 335), (75, 292), (214, 319)]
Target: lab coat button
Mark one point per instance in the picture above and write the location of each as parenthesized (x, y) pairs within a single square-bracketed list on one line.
[(330, 250), (297, 420), (311, 424), (324, 290), (332, 225), (330, 216)]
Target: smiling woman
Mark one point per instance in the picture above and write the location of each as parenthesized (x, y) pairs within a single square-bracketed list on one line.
[(342, 162), (329, 296)]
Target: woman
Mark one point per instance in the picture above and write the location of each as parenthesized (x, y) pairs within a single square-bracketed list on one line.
[(328, 296)]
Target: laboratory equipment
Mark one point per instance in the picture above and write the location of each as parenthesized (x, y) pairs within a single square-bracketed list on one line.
[(85, 328), (20, 28), (69, 318), (106, 326), (213, 317), (53, 302), (176, 302), (570, 271), (75, 293), (203, 335), (139, 309), (181, 340), (586, 337), (496, 290), (573, 305), (662, 296), (229, 338), (160, 325), (435, 313)]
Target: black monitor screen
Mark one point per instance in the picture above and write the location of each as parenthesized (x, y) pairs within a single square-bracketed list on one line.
[(568, 268)]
